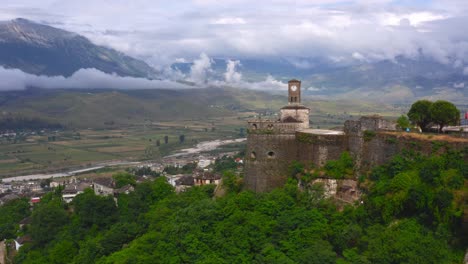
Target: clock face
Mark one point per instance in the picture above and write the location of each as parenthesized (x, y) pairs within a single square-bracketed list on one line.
[(293, 88)]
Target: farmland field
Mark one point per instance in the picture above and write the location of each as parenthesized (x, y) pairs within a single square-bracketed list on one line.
[(77, 148)]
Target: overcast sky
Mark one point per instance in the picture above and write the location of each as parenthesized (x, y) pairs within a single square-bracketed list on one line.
[(164, 31)]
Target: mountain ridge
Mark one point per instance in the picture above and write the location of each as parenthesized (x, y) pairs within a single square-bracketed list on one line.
[(44, 50)]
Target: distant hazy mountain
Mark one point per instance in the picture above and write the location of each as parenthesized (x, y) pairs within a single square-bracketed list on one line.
[(40, 49), (399, 80)]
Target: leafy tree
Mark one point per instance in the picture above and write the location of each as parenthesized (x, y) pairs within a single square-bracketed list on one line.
[(47, 220), (341, 168), (10, 214), (224, 163), (403, 122), (444, 113), (91, 209), (420, 114), (117, 236), (231, 182), (406, 242), (123, 178), (63, 252), (295, 168)]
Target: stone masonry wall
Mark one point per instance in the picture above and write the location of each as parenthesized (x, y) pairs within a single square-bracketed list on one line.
[(272, 127), (383, 146), (267, 161), (318, 149)]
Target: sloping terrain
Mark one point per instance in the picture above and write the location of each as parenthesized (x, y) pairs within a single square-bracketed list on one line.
[(43, 50)]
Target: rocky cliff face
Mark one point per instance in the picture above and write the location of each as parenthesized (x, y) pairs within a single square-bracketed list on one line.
[(342, 191), (44, 50)]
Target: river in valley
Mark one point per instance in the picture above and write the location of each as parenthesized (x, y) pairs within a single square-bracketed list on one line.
[(200, 147)]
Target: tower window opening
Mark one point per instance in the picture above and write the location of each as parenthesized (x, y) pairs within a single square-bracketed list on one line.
[(271, 154), (253, 155), (254, 126)]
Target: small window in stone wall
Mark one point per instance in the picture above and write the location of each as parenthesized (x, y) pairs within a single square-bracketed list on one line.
[(270, 127), (254, 126), (253, 155), (271, 154)]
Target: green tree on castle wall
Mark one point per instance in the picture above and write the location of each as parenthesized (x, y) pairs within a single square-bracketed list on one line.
[(425, 113), (444, 113), (420, 115)]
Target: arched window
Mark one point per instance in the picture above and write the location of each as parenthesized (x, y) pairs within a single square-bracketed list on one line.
[(271, 154), (270, 126), (254, 126)]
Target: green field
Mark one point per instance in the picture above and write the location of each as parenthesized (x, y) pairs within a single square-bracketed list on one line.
[(69, 150)]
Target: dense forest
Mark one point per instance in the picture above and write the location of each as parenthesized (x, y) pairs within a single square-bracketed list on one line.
[(411, 212)]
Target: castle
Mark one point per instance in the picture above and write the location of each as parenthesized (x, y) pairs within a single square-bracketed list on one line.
[(273, 144)]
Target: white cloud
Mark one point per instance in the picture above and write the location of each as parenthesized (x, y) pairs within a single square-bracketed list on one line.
[(358, 56), (269, 84), (13, 79), (231, 75), (162, 31), (200, 69), (229, 21)]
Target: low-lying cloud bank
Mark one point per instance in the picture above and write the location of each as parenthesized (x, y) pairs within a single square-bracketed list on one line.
[(14, 79), (200, 77)]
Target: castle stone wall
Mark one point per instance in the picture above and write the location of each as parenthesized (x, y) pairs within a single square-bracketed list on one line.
[(384, 145), (272, 127), (267, 161), (317, 148)]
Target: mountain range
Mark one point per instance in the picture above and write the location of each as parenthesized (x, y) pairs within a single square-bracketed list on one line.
[(44, 50)]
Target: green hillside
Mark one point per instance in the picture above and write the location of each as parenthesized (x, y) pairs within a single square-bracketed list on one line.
[(412, 212), (116, 108)]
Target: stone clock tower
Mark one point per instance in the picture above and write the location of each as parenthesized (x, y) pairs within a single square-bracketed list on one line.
[(294, 91), (295, 113)]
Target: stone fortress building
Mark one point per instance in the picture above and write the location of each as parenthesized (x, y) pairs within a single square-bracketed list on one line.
[(273, 144)]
